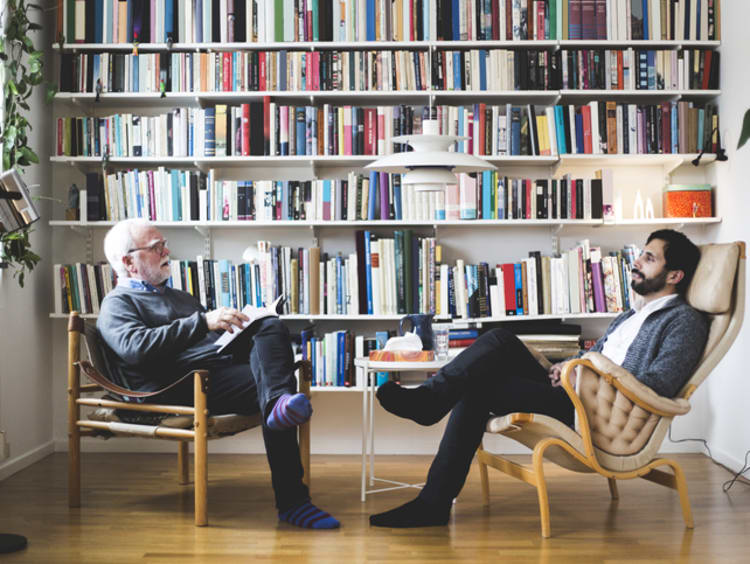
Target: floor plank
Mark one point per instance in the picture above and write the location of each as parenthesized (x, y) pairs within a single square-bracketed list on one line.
[(133, 510)]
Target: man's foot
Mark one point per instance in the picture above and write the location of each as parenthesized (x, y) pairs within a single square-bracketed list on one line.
[(308, 516), (420, 404), (289, 411), (416, 513)]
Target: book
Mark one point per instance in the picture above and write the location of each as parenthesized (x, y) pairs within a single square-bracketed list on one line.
[(254, 314)]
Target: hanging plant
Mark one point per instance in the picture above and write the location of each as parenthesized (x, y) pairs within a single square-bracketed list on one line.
[(23, 72)]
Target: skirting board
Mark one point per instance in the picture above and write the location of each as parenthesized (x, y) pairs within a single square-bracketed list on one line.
[(18, 463)]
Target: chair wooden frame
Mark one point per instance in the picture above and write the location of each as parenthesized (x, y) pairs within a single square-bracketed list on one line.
[(78, 427), (587, 455)]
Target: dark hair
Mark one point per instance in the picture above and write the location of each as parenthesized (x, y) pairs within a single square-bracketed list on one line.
[(680, 253)]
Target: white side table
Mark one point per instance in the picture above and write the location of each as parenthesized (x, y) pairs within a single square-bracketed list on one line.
[(369, 368)]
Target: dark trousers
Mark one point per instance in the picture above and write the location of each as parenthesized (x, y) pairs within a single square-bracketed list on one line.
[(496, 375), (262, 370)]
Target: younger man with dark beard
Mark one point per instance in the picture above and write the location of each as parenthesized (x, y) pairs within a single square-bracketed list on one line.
[(659, 341)]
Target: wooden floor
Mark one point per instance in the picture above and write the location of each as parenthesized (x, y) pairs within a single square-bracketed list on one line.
[(150, 520)]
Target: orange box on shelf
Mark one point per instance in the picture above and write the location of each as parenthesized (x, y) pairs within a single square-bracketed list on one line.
[(402, 356), (688, 200)]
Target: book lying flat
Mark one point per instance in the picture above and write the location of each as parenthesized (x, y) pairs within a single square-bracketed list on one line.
[(254, 314)]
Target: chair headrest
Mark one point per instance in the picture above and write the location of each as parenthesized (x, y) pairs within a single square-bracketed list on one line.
[(713, 282)]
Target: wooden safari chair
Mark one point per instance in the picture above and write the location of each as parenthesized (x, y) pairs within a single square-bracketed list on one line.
[(115, 418)]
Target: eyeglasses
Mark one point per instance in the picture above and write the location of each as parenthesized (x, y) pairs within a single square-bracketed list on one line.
[(157, 247)]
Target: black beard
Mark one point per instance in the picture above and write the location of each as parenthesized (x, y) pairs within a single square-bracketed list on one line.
[(648, 286)]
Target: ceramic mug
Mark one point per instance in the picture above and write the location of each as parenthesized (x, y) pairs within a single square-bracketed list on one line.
[(421, 324)]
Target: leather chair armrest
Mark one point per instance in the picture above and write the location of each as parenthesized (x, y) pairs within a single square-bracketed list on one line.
[(633, 389)]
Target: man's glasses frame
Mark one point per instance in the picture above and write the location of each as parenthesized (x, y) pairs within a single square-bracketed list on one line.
[(157, 247)]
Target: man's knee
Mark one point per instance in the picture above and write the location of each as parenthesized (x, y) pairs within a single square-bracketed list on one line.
[(501, 335), (272, 326)]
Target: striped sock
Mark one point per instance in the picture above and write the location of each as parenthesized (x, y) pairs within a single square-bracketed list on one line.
[(289, 411), (307, 516)]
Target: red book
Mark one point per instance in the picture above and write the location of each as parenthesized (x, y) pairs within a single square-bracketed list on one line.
[(262, 71), (371, 131), (509, 281), (316, 70), (495, 7), (600, 16), (529, 19), (588, 20), (60, 127), (508, 20), (226, 71), (540, 7), (308, 75), (620, 72), (480, 133), (461, 343), (586, 114), (411, 21), (245, 149), (706, 69), (266, 125), (572, 200)]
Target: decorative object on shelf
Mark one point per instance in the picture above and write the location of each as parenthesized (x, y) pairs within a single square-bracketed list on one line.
[(430, 167), (72, 212), (421, 325), (23, 71), (650, 209), (639, 211), (687, 200), (745, 131)]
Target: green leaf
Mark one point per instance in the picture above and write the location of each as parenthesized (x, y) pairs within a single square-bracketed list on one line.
[(745, 133), (29, 154)]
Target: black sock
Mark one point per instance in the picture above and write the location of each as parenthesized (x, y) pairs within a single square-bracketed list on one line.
[(416, 513), (421, 404)]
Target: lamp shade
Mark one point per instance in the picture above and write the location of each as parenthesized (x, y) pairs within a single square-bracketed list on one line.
[(430, 166)]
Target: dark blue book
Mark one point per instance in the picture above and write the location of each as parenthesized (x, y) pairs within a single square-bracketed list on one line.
[(396, 182), (515, 130), (456, 10), (579, 132), (300, 130), (370, 15), (341, 361), (463, 334), (169, 31), (483, 69), (98, 21), (209, 133), (519, 287), (368, 272)]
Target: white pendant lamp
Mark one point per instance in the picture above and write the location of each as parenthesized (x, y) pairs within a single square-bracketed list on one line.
[(430, 166)]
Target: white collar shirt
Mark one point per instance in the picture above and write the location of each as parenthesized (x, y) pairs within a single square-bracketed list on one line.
[(618, 342)]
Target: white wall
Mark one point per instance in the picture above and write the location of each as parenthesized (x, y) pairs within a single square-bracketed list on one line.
[(722, 400), (25, 337)]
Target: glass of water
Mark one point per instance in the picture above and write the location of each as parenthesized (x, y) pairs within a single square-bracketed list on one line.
[(442, 336)]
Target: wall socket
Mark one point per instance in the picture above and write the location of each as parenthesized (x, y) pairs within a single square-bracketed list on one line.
[(4, 447)]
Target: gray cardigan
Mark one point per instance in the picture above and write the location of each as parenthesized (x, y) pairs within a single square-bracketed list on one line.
[(667, 348)]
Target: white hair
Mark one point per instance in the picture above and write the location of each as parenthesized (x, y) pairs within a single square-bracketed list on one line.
[(119, 240)]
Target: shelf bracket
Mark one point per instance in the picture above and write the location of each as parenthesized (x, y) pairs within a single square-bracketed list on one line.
[(85, 232), (555, 238), (207, 239), (669, 167)]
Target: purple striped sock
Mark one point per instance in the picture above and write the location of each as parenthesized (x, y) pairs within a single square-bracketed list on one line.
[(308, 516), (289, 411)]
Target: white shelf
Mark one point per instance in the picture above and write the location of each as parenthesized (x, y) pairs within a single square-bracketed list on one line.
[(388, 45), (635, 159), (667, 221), (336, 389), (578, 93)]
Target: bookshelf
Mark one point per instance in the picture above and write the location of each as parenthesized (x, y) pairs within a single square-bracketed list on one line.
[(465, 239)]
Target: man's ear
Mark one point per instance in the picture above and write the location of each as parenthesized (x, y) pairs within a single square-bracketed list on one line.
[(675, 277), (127, 261)]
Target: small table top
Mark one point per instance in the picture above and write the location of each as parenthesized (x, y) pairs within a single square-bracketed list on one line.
[(401, 366)]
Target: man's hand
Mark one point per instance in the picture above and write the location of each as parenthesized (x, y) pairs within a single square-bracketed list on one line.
[(555, 371), (225, 318)]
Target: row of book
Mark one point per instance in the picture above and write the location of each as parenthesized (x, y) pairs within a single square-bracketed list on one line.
[(639, 69), (81, 287), (265, 128), (180, 195), (246, 71), (397, 70), (332, 356), (203, 21)]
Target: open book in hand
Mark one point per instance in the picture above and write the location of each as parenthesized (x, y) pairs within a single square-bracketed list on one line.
[(254, 314)]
